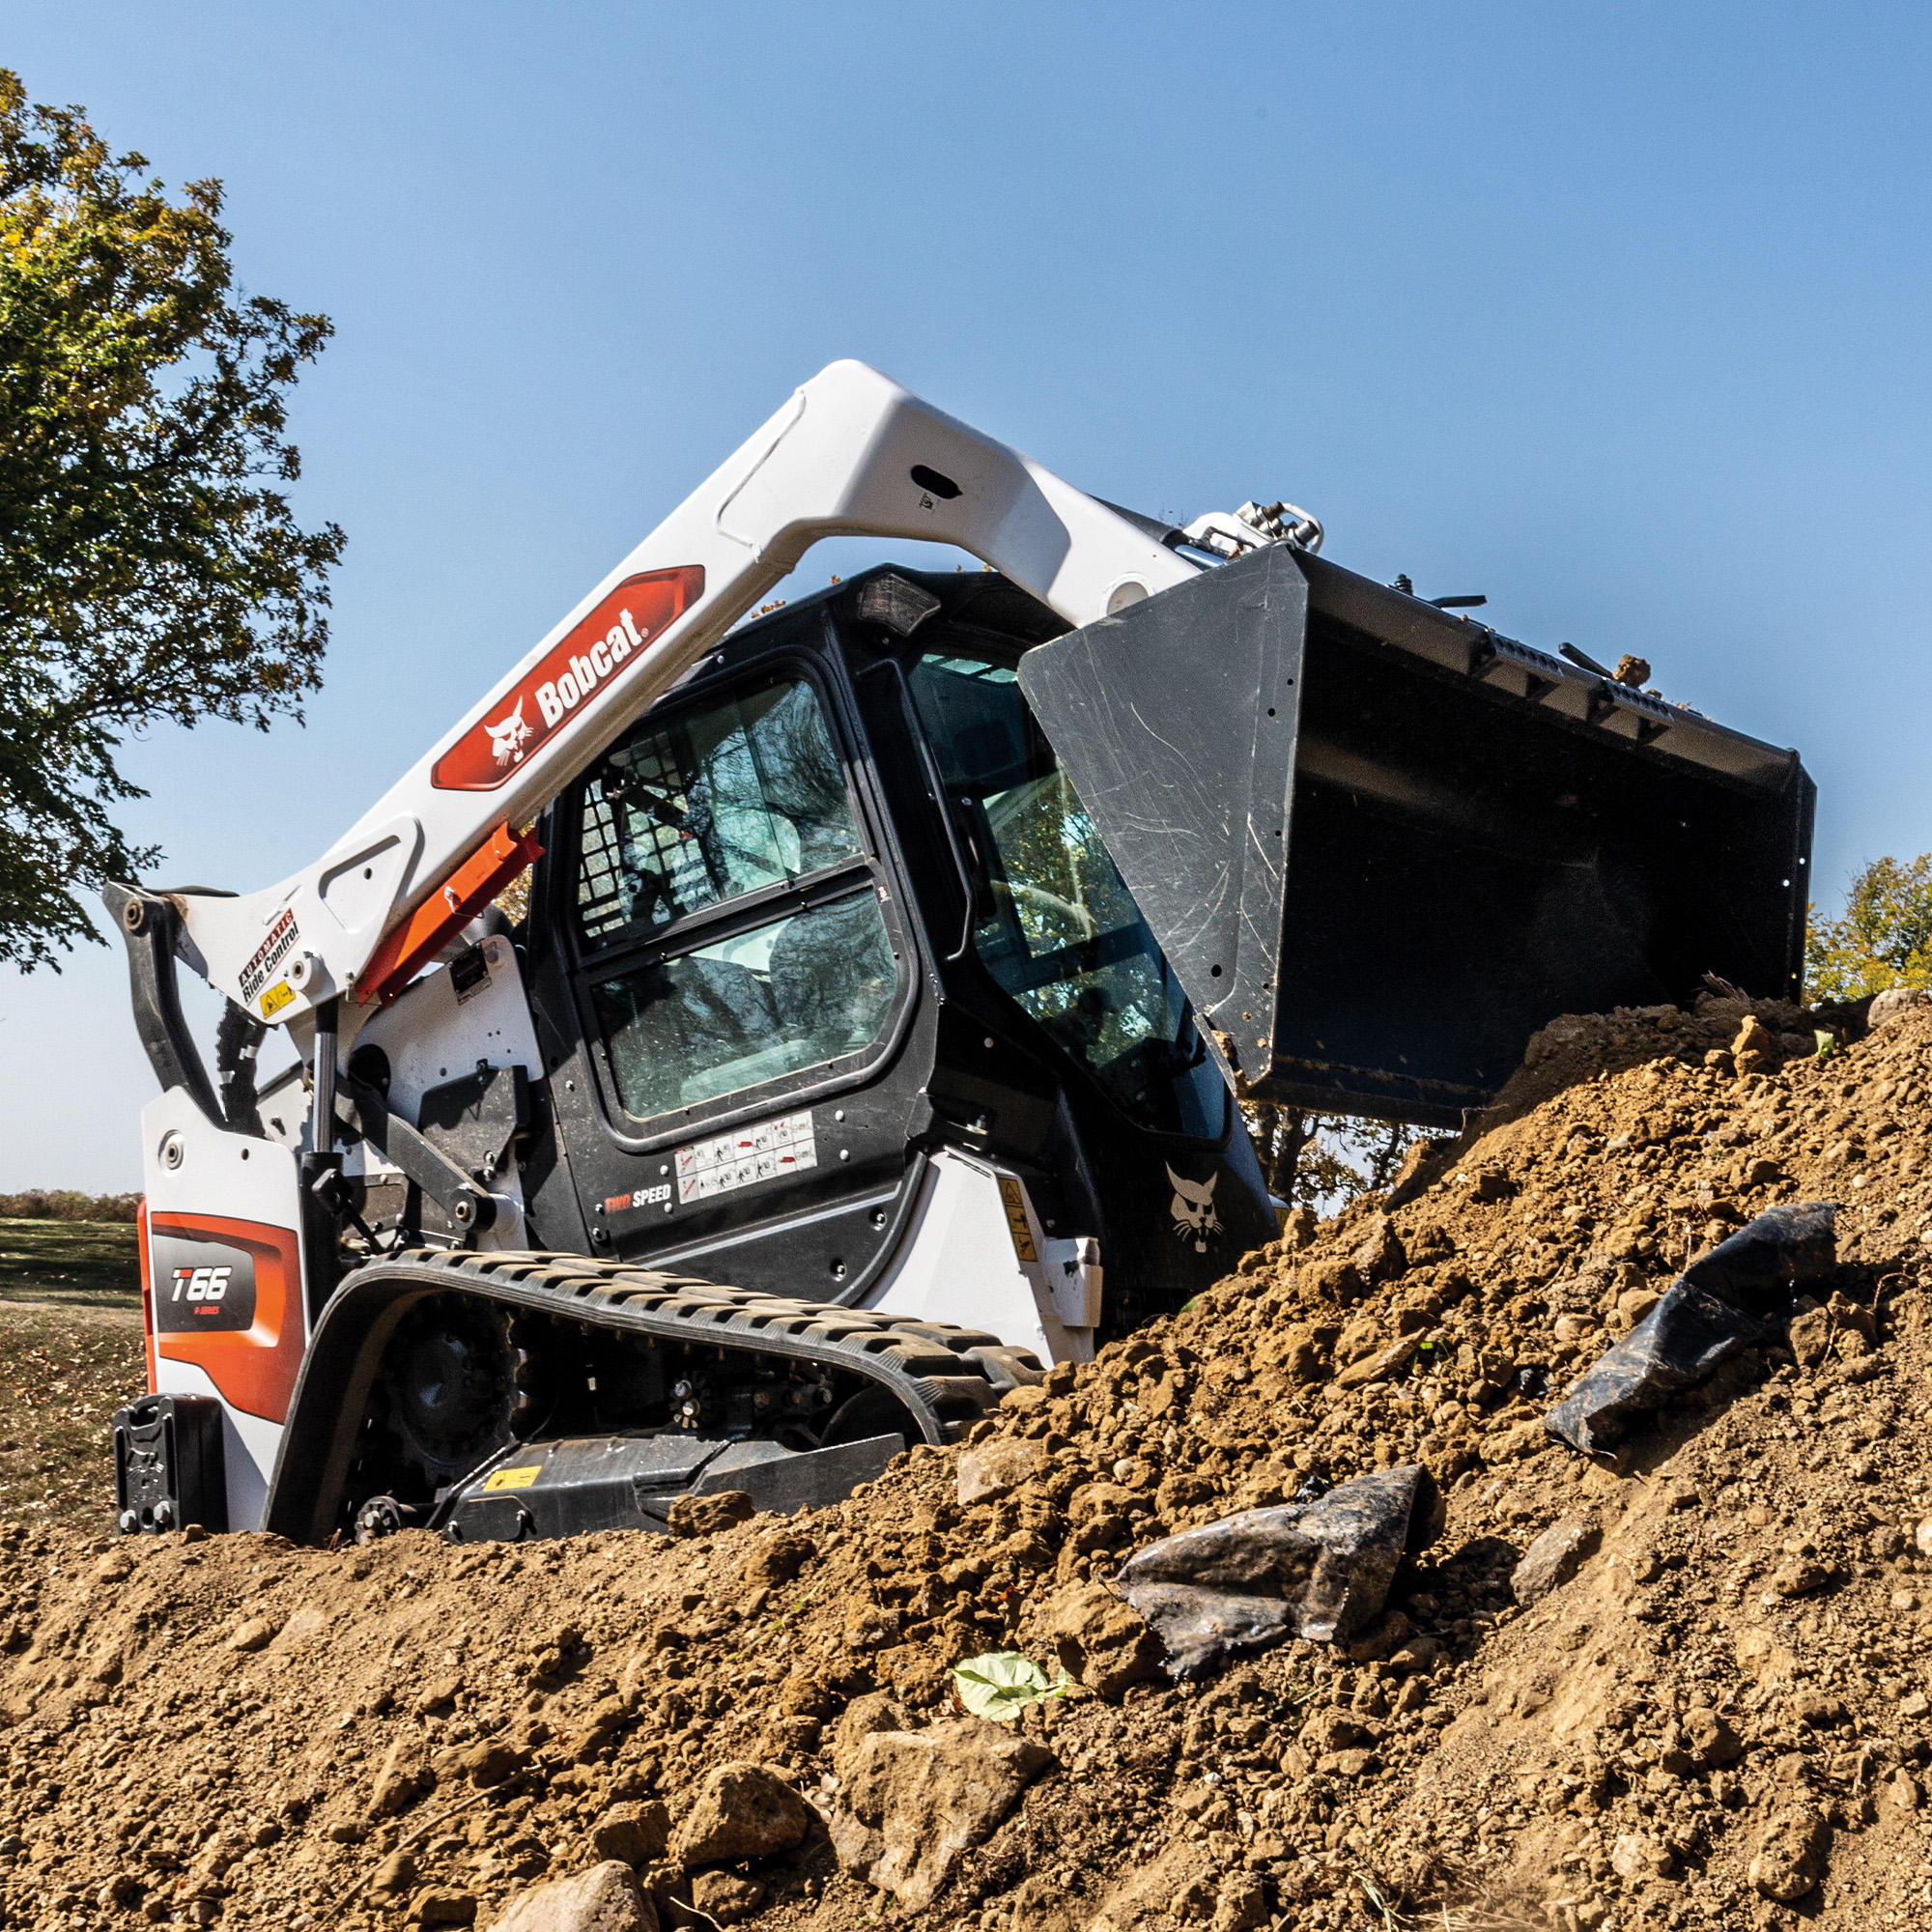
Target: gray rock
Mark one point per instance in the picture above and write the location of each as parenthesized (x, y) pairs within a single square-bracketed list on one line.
[(1893, 1004), (1319, 1570), (607, 1898), (990, 1470), (917, 1801), (742, 1812), (1554, 1558)]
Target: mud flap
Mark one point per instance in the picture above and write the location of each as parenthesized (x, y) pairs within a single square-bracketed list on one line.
[(1381, 845)]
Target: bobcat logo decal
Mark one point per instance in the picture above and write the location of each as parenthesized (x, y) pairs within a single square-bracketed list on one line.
[(1193, 1211), (508, 737)]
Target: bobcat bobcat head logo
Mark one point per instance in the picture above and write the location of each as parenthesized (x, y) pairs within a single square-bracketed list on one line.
[(1193, 1211), (508, 738)]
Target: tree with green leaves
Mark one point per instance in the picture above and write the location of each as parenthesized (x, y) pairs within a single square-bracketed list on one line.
[(151, 565), (1883, 938)]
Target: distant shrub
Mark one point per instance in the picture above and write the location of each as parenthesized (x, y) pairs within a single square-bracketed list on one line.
[(63, 1204)]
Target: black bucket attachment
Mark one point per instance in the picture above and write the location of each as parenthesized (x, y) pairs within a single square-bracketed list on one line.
[(1383, 845)]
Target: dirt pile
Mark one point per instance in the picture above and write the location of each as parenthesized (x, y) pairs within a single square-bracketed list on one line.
[(1686, 1688)]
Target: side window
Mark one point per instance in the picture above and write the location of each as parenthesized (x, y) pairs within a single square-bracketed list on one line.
[(686, 815), (679, 823)]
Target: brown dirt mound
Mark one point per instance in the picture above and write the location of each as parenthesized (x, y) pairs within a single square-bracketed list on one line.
[(1708, 1709)]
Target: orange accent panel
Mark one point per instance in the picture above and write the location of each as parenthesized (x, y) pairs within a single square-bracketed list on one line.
[(147, 1294), (255, 1368), (449, 907)]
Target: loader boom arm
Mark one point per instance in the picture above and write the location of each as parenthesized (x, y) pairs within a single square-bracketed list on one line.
[(851, 453)]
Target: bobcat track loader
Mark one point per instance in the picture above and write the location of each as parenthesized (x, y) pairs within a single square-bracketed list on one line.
[(867, 1043)]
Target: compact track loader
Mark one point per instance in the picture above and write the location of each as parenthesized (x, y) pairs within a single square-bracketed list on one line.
[(890, 964)]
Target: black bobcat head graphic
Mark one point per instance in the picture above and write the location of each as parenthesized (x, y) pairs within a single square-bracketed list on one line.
[(1193, 1211)]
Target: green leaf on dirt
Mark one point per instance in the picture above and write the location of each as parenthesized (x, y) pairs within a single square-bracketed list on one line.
[(1002, 1683)]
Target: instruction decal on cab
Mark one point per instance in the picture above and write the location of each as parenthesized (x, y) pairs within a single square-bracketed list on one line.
[(591, 655), (760, 1152)]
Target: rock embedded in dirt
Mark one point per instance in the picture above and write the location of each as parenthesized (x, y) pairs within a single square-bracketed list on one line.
[(606, 1898), (403, 1778), (1790, 1856), (923, 1799), (1554, 1558), (707, 1515), (436, 1905), (635, 1832), (725, 1898), (742, 1812), (1319, 1570), (1893, 1004), (1100, 1641), (989, 1470), (256, 1634)]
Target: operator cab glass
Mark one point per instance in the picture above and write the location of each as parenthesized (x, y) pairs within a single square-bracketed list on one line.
[(1056, 928), (689, 829)]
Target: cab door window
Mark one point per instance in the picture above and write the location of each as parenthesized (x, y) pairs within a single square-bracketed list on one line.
[(687, 827)]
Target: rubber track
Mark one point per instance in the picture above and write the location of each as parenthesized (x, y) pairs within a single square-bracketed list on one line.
[(946, 1377)]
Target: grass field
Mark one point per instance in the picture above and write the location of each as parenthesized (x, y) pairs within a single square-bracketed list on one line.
[(70, 1354), (94, 1264)]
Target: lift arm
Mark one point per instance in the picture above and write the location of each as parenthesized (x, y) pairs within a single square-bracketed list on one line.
[(851, 453)]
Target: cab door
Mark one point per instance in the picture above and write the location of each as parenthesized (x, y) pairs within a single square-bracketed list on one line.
[(741, 980)]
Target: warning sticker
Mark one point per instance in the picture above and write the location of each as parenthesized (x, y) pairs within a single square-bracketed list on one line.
[(1017, 1219), (760, 1152), (275, 999), (520, 1478)]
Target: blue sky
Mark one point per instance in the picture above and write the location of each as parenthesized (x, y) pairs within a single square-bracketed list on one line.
[(1615, 314)]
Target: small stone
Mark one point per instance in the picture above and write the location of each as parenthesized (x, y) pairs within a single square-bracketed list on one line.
[(1242, 1904), (1554, 1558), (607, 1898), (396, 1873), (490, 1760), (257, 1633), (1790, 1857), (1800, 1576), (706, 1516), (1754, 1049), (635, 1832), (1894, 1003), (1713, 1741), (725, 1898), (1102, 1642), (1631, 672), (988, 1470), (439, 1695), (443, 1905), (778, 1559), (404, 1777), (742, 1812), (1922, 1537), (1381, 1256), (1635, 1857)]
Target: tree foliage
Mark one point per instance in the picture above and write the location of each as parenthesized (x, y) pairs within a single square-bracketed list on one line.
[(1324, 1160), (151, 566), (1883, 938)]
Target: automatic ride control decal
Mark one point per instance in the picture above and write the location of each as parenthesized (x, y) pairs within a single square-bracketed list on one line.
[(760, 1152), (269, 956), (591, 655)]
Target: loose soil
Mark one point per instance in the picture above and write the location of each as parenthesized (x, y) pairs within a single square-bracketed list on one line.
[(1720, 1718)]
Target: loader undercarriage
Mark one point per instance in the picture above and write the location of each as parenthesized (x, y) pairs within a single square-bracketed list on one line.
[(439, 1380)]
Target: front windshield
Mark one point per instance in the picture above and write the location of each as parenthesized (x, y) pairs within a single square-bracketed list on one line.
[(1057, 928)]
